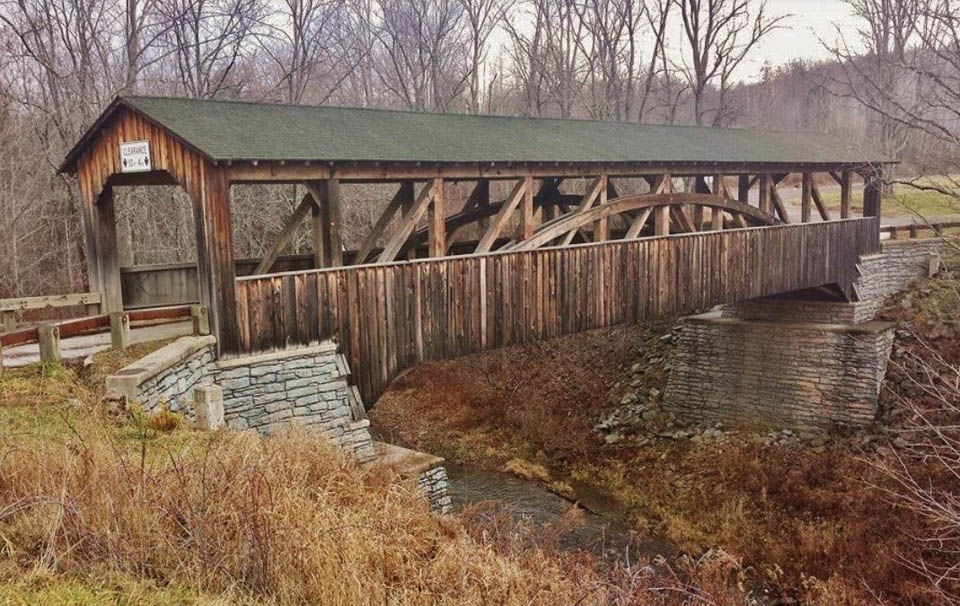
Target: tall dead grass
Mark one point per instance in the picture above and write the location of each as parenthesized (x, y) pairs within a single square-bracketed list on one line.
[(284, 520)]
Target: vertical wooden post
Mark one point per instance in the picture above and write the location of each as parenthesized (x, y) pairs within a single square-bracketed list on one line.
[(316, 229), (89, 217), (526, 210), (216, 270), (806, 197), (436, 226), (334, 252), (200, 320), (661, 224), (845, 193), (108, 255), (716, 215), (601, 227), (766, 203), (119, 331), (743, 189), (483, 201), (49, 338), (407, 204), (872, 192)]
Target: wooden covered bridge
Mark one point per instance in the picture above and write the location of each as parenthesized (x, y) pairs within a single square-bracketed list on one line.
[(567, 249)]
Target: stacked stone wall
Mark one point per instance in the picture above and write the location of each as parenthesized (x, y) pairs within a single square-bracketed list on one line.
[(299, 387), (435, 485), (175, 386), (168, 376), (801, 376), (801, 310), (892, 270)]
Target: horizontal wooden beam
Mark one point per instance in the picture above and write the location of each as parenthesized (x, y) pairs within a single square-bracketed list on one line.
[(377, 172), (24, 303)]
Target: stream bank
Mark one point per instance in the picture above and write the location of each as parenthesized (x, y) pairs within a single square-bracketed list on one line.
[(795, 512)]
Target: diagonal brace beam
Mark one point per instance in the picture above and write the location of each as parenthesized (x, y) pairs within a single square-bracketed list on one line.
[(407, 224), (306, 204), (502, 216), (381, 225)]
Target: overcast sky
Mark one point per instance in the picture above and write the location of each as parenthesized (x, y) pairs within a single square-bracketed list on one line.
[(811, 19)]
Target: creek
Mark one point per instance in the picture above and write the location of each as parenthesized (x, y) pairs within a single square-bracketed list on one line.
[(603, 530)]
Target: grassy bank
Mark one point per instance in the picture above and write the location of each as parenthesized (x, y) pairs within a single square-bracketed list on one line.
[(906, 201), (126, 509), (811, 523)]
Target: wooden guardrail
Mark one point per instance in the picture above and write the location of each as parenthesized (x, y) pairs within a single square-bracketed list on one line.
[(10, 308), (389, 317), (914, 230), (48, 335)]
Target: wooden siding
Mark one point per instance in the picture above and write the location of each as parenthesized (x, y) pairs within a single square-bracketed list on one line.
[(389, 317), (176, 283)]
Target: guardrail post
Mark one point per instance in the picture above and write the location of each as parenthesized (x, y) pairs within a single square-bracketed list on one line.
[(119, 331), (208, 406), (9, 321), (48, 336), (201, 320)]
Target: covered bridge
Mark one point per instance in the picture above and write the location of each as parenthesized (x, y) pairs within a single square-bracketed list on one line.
[(698, 182)]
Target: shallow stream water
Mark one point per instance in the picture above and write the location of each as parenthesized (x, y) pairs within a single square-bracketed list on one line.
[(603, 530)]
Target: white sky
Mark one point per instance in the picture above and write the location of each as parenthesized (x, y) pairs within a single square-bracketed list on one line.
[(812, 19)]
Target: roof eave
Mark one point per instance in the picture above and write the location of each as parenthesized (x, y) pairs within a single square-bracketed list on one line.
[(69, 164)]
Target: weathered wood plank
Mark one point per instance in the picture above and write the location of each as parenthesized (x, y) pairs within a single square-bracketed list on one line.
[(389, 317)]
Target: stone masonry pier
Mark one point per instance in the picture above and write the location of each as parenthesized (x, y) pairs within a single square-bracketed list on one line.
[(778, 374), (797, 362)]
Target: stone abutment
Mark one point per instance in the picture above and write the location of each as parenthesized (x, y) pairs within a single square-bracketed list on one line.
[(795, 363)]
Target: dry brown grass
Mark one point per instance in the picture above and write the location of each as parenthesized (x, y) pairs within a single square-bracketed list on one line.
[(97, 510), (536, 403), (285, 519)]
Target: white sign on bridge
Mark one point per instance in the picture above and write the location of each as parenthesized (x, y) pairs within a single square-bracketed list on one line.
[(135, 157)]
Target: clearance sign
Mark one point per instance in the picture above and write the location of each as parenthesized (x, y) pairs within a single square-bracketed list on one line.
[(135, 157)]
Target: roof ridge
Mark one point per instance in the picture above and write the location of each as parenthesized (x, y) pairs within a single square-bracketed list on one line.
[(456, 114)]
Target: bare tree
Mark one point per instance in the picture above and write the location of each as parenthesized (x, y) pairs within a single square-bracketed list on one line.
[(612, 55), (310, 45), (877, 77), (483, 17), (924, 465), (718, 36), (64, 58), (909, 80), (548, 61), (206, 38), (422, 58)]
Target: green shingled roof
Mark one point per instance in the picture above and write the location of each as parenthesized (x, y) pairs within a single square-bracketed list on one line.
[(231, 130)]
